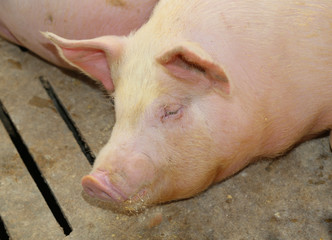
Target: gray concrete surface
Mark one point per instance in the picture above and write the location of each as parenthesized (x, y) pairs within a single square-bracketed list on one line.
[(20, 199), (285, 198)]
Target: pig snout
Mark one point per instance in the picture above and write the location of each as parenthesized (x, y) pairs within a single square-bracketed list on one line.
[(98, 185), (124, 181)]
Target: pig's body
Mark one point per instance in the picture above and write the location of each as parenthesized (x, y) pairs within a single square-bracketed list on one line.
[(22, 20), (203, 89)]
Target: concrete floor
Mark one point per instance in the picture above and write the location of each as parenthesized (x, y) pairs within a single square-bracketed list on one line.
[(285, 198)]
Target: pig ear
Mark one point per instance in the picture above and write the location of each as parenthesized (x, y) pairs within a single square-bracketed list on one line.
[(188, 61), (93, 56)]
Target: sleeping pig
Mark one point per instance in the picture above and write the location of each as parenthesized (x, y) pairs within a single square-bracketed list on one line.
[(203, 89)]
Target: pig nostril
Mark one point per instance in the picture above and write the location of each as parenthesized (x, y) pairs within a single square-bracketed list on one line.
[(98, 185), (105, 195), (89, 191), (95, 192)]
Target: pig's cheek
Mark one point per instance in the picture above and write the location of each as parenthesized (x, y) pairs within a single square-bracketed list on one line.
[(187, 163)]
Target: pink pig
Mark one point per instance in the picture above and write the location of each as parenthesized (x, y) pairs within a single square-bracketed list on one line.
[(203, 89), (21, 21)]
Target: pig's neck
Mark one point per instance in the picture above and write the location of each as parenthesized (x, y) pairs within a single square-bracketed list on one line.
[(294, 116)]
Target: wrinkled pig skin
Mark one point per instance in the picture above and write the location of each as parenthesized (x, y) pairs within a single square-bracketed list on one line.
[(22, 20), (203, 89)]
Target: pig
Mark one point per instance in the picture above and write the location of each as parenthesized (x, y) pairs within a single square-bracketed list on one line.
[(203, 89), (21, 21)]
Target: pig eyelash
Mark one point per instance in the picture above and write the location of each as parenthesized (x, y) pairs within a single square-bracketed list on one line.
[(168, 113), (175, 114)]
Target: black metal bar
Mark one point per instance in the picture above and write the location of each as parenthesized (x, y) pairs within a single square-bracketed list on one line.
[(34, 170), (3, 231), (68, 120)]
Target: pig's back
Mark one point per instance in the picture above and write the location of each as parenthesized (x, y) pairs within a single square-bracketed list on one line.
[(22, 21)]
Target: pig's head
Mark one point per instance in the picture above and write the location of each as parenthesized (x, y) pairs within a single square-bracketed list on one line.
[(178, 127)]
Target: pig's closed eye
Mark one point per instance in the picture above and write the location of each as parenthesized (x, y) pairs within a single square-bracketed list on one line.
[(172, 112), (168, 113)]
